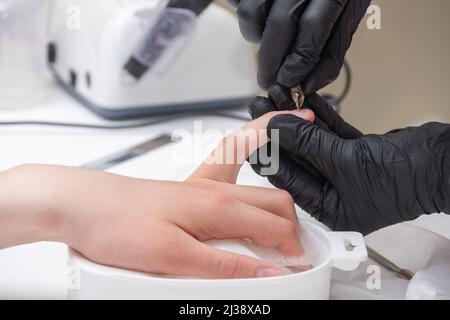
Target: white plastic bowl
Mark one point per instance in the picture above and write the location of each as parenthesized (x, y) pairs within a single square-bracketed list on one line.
[(342, 250)]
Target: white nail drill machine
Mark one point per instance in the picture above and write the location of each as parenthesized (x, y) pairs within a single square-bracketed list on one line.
[(136, 58)]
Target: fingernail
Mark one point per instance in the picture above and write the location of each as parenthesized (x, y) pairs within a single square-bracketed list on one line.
[(301, 268), (267, 272)]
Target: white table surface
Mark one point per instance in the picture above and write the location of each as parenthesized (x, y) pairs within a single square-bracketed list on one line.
[(38, 271)]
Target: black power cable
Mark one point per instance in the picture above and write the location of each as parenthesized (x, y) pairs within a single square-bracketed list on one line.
[(336, 102), (332, 100), (122, 127)]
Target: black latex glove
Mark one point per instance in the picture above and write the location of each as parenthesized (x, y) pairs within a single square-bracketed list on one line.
[(302, 41), (360, 183)]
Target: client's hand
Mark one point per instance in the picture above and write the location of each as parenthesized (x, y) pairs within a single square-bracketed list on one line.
[(152, 226)]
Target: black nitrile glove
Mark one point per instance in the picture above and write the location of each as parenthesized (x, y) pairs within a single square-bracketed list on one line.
[(302, 41), (361, 183)]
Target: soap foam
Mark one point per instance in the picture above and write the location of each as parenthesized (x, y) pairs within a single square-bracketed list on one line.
[(315, 252), (312, 257)]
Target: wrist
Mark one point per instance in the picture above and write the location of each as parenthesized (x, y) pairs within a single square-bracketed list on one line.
[(445, 184), (438, 138), (27, 213)]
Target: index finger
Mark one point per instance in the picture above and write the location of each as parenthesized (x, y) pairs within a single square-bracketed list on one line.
[(226, 160)]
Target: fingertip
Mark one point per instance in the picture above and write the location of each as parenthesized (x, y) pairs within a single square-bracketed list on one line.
[(262, 82), (287, 80), (294, 250), (291, 246), (237, 266), (268, 272), (260, 106), (306, 114), (252, 16), (281, 97), (260, 100)]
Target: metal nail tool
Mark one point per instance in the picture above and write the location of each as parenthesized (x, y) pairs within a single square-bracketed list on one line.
[(389, 265), (298, 96), (130, 153)]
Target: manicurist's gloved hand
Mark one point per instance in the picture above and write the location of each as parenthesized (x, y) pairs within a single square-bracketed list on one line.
[(353, 182), (302, 42)]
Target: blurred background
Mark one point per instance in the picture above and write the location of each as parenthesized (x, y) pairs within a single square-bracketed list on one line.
[(401, 72)]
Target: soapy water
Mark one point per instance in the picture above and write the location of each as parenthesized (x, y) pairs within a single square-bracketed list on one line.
[(315, 252), (313, 256)]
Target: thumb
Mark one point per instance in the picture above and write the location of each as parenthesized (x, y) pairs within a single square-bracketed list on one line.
[(305, 140)]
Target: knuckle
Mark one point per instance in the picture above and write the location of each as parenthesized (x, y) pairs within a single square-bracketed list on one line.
[(249, 11), (200, 192), (312, 19), (333, 64), (155, 259), (285, 198), (218, 199), (287, 227), (309, 20), (228, 266), (278, 20)]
